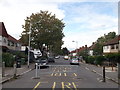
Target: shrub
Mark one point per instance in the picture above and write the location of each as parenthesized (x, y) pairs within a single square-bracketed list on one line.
[(8, 59), (99, 60), (113, 57), (91, 59), (23, 61)]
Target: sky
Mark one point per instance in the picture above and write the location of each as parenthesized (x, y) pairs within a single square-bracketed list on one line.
[(85, 20)]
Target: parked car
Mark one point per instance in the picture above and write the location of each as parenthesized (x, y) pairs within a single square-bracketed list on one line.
[(42, 62), (74, 61), (66, 57), (51, 59)]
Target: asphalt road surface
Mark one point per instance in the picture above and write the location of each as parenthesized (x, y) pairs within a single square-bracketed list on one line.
[(60, 75)]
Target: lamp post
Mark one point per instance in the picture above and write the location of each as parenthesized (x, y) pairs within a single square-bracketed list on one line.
[(76, 45), (28, 63)]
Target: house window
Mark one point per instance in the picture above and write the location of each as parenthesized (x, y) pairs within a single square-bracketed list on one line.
[(16, 45), (8, 43), (117, 46), (112, 47), (12, 44), (5, 40)]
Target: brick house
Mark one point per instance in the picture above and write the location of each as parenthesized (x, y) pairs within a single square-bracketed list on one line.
[(7, 42)]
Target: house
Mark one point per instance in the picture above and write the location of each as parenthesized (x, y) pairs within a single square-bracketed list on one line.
[(112, 46), (80, 50), (90, 51), (8, 42)]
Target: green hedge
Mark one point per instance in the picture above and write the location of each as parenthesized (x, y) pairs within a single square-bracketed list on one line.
[(113, 57), (99, 60), (8, 59), (91, 59)]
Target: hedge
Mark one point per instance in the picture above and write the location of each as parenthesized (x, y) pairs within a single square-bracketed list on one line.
[(113, 57), (8, 59), (99, 60)]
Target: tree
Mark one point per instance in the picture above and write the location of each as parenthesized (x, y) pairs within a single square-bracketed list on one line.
[(65, 51), (45, 29)]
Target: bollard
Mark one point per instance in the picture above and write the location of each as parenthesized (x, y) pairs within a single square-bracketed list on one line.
[(3, 69), (36, 69), (15, 71), (104, 80)]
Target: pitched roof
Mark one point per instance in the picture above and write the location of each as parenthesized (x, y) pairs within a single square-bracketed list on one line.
[(92, 46), (3, 31), (113, 41), (12, 39)]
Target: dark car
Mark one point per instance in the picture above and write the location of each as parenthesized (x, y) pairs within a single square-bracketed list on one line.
[(42, 62), (51, 59)]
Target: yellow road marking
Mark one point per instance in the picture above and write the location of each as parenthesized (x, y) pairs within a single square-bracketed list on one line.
[(36, 85), (52, 74), (68, 85), (54, 84), (74, 85), (60, 74), (64, 70), (62, 85), (65, 74), (75, 74)]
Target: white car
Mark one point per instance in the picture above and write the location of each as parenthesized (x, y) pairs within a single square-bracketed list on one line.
[(74, 61), (37, 53), (66, 57)]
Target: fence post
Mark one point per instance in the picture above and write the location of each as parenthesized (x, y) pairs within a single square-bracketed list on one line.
[(3, 69)]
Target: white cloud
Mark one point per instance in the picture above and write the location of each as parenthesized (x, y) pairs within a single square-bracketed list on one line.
[(13, 13), (86, 38)]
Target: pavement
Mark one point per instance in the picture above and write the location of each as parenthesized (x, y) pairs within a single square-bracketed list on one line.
[(9, 72), (111, 73)]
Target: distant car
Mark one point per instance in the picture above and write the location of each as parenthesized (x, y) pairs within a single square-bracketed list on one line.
[(51, 59), (57, 57), (66, 57), (74, 61)]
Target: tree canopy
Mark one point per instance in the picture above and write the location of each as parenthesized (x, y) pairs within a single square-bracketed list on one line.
[(45, 29)]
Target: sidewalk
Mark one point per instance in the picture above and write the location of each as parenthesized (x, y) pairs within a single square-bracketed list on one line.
[(9, 71), (111, 73)]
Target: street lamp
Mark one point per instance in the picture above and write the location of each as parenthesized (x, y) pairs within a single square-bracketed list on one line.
[(76, 45), (29, 47)]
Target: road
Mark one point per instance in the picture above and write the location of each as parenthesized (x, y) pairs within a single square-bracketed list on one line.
[(61, 75)]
